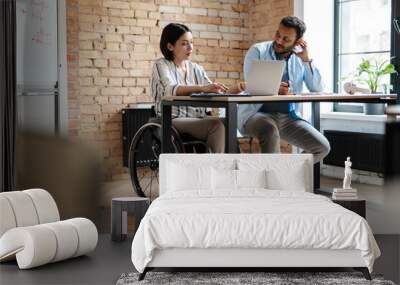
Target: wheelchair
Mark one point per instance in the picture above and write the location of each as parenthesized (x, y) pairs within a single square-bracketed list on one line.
[(145, 150)]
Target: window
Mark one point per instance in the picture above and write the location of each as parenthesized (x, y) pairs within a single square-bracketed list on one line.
[(395, 46), (362, 31), (318, 17)]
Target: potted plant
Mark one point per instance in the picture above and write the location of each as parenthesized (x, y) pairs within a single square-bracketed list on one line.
[(369, 72), (374, 71)]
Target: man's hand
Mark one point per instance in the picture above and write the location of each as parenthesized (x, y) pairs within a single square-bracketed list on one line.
[(284, 88), (304, 53), (214, 88)]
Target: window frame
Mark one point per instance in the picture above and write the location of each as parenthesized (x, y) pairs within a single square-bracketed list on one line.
[(394, 52), (395, 48)]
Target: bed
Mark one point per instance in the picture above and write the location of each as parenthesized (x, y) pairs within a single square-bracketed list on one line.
[(246, 211)]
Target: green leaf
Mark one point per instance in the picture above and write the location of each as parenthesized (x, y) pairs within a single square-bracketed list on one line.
[(382, 64), (389, 69)]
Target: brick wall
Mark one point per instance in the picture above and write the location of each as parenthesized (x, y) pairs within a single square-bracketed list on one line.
[(264, 17), (112, 44)]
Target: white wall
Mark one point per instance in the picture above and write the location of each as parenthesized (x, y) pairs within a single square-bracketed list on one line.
[(318, 17)]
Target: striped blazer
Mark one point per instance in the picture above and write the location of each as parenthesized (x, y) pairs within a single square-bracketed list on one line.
[(165, 79)]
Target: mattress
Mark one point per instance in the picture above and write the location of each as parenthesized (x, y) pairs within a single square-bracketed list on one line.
[(251, 219)]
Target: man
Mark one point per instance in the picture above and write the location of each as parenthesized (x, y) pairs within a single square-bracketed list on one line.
[(271, 121)]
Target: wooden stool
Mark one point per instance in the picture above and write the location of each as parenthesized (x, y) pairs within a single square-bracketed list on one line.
[(120, 207)]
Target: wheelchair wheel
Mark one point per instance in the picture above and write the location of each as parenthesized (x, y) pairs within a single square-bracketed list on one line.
[(144, 153)]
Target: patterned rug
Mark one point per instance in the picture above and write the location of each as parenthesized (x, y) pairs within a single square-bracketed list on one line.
[(244, 278)]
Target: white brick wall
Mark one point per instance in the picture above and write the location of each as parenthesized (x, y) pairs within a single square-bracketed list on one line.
[(196, 11)]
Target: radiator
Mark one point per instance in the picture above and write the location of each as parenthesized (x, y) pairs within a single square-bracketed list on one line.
[(366, 150), (132, 120)]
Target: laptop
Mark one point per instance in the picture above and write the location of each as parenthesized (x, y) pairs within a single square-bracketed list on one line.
[(219, 94), (265, 77)]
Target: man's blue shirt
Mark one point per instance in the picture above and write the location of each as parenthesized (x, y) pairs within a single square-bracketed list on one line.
[(298, 72)]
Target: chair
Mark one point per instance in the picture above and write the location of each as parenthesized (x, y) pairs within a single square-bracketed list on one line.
[(147, 139), (31, 230)]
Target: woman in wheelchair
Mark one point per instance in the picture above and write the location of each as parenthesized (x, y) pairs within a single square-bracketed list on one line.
[(175, 75)]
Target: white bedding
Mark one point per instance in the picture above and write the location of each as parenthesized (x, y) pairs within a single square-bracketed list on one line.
[(252, 218)]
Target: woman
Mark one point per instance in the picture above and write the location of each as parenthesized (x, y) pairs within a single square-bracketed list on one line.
[(176, 75)]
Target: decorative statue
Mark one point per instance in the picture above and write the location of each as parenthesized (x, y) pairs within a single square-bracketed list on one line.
[(347, 174)]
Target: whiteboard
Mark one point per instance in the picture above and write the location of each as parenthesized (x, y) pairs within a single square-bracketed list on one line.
[(37, 56)]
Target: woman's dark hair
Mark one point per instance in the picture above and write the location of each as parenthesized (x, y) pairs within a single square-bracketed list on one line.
[(296, 23), (170, 34)]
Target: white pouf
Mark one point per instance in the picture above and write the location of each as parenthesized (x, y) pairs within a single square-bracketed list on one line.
[(31, 232)]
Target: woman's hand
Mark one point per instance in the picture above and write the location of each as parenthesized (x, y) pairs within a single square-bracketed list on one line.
[(214, 88), (235, 89)]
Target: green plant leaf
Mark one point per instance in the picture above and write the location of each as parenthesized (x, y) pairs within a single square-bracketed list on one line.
[(382, 64), (365, 64), (389, 69)]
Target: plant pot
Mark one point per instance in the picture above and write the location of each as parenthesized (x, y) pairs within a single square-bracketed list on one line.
[(374, 109)]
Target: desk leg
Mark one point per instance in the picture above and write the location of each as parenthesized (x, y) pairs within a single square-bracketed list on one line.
[(392, 117), (231, 128), (316, 123), (116, 221), (57, 113), (166, 144)]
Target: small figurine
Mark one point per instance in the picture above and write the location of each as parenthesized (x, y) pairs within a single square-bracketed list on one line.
[(347, 174)]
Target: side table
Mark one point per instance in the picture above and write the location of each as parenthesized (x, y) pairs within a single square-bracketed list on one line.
[(357, 206), (120, 207)]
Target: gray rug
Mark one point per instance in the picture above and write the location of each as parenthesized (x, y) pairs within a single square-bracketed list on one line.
[(243, 278)]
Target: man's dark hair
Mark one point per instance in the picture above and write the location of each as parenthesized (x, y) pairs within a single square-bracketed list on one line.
[(170, 34), (296, 23)]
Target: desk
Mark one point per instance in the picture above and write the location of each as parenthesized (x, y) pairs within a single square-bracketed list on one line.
[(230, 105)]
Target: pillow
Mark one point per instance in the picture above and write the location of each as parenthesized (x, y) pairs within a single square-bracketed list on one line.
[(183, 177), (293, 181), (281, 174), (228, 179), (251, 178), (223, 179)]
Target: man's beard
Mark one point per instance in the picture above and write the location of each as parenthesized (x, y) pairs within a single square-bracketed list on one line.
[(285, 50)]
